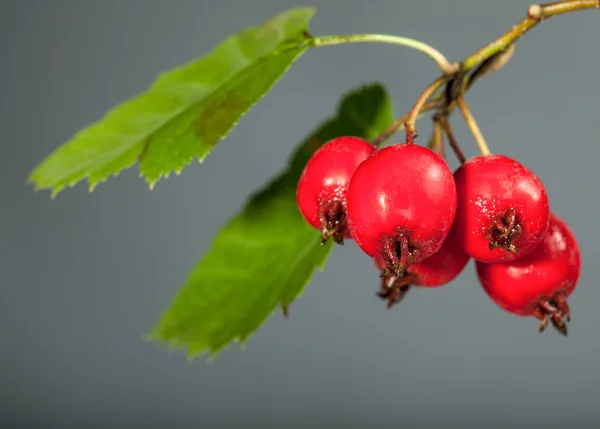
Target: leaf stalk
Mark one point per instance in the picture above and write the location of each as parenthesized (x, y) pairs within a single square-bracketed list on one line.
[(445, 66)]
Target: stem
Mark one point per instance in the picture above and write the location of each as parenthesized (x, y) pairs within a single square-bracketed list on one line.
[(470, 120), (446, 66), (418, 107), (436, 143), (535, 15), (443, 121), (490, 65), (399, 123)]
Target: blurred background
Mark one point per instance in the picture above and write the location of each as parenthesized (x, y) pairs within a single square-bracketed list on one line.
[(84, 276)]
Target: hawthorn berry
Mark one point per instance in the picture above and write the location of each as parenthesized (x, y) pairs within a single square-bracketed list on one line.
[(401, 204), (438, 270), (539, 283), (503, 209), (323, 185)]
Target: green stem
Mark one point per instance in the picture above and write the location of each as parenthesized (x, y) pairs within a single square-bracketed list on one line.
[(535, 15), (445, 125), (418, 106), (472, 124), (436, 142), (446, 66), (398, 125)]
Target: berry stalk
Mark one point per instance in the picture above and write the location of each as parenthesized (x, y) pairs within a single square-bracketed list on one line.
[(445, 125), (421, 101), (470, 120), (399, 124), (436, 142)]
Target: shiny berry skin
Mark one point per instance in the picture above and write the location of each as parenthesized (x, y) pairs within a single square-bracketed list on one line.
[(537, 284), (502, 210), (438, 270), (323, 185), (401, 204)]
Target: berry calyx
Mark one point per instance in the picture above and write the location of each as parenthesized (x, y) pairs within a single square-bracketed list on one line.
[(437, 270), (323, 185), (401, 205), (503, 208), (539, 283)]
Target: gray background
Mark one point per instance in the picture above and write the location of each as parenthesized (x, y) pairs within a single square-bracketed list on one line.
[(84, 276)]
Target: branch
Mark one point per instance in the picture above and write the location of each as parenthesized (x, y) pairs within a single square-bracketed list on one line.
[(535, 15), (500, 47)]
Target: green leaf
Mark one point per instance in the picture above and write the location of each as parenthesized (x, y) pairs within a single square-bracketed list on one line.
[(265, 255), (184, 113)]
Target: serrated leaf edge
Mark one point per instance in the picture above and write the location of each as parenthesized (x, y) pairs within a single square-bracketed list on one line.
[(56, 189)]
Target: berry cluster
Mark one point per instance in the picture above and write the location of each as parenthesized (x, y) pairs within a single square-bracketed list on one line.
[(421, 224)]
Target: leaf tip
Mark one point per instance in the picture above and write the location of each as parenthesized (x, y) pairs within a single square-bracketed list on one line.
[(33, 184), (30, 180), (34, 181)]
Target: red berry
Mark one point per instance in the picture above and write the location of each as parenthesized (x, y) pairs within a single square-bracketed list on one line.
[(537, 284), (502, 210), (401, 204), (437, 270), (323, 185)]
